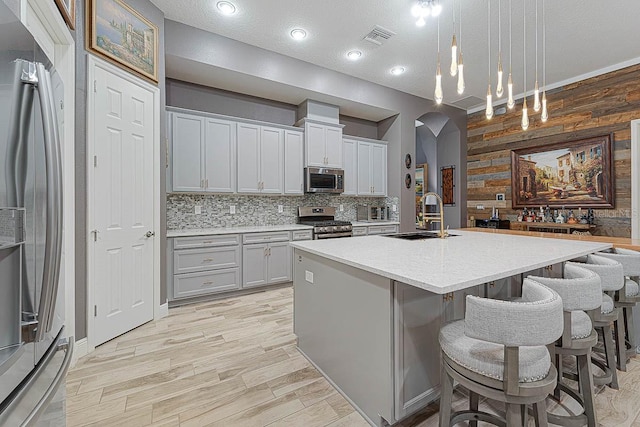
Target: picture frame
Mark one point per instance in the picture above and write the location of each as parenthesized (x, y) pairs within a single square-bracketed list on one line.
[(122, 36), (447, 174), (575, 174), (67, 9)]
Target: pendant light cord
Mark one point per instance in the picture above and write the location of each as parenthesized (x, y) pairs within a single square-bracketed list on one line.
[(510, 43), (544, 49), (489, 36), (460, 25), (500, 27), (524, 45), (536, 40)]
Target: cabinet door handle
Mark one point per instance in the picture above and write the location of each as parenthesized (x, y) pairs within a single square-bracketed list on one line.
[(207, 260), (206, 183), (207, 283), (265, 252), (269, 251), (202, 183)]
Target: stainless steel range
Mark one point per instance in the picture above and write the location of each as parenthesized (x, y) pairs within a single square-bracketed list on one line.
[(325, 226)]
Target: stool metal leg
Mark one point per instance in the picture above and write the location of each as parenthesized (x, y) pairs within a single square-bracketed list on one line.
[(473, 406), (610, 356), (630, 327), (585, 375), (513, 416), (540, 414), (621, 345), (446, 395)]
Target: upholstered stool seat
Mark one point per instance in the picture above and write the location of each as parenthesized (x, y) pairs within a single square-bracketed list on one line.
[(581, 325), (500, 351), (487, 359), (607, 304), (631, 288)]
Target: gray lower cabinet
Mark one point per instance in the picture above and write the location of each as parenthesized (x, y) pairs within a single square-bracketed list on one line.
[(265, 263), (374, 229), (202, 265)]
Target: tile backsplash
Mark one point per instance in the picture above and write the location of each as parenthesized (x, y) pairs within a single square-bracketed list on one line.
[(259, 210)]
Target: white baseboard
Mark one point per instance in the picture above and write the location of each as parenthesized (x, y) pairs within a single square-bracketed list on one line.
[(80, 349), (163, 311)]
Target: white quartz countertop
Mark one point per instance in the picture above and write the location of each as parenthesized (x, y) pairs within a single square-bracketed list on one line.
[(236, 230), (370, 223), (447, 265)]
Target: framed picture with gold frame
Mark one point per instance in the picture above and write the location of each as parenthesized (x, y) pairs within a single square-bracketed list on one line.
[(67, 9), (120, 34)]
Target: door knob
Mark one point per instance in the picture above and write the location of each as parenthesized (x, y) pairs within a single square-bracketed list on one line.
[(149, 234)]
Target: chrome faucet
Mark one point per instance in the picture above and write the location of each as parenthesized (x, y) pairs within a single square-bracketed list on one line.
[(434, 216)]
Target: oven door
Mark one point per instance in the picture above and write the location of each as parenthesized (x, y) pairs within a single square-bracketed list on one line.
[(322, 180)]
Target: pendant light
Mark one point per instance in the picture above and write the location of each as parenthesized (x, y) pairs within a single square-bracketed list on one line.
[(525, 112), (499, 88), (510, 101), (460, 64), (437, 94), (536, 89), (489, 109), (545, 114), (454, 46)]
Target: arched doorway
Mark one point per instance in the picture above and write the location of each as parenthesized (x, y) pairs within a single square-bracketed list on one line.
[(438, 145)]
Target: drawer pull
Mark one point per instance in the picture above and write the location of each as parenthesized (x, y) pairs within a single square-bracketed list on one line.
[(207, 283), (207, 260), (207, 242)]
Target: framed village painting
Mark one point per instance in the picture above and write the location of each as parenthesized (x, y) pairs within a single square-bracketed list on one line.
[(123, 36), (67, 9), (577, 173)]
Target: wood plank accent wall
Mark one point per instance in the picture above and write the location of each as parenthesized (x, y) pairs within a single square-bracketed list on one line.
[(596, 106)]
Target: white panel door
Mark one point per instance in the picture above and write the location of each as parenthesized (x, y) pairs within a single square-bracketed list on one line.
[(187, 136), (333, 147), (365, 185), (293, 162), (350, 160), (219, 156), (271, 158), (248, 158), (379, 169), (122, 199), (315, 145)]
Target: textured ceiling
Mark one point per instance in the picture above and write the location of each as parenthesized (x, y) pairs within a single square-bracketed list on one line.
[(582, 37)]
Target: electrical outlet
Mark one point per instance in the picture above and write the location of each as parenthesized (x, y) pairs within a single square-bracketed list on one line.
[(394, 208), (280, 208), (198, 210), (341, 208), (232, 209), (308, 276), (480, 207)]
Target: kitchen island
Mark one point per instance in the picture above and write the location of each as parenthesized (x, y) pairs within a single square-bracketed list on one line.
[(367, 311)]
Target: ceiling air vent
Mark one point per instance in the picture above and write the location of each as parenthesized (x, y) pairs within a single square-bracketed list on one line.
[(379, 35), (468, 102)]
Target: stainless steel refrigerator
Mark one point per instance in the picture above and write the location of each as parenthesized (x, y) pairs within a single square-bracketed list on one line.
[(34, 350)]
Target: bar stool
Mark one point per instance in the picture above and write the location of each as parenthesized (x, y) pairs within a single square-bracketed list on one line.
[(612, 279), (628, 299), (581, 293), (499, 351)]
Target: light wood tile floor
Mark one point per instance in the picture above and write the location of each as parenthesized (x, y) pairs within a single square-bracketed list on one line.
[(233, 362)]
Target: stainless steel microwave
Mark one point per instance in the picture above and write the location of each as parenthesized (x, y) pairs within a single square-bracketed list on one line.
[(323, 180)]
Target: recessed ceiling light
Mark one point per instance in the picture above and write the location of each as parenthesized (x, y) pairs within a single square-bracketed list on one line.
[(298, 34), (226, 8), (396, 71), (354, 55)]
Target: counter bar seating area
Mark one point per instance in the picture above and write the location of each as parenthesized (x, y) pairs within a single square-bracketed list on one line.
[(512, 351)]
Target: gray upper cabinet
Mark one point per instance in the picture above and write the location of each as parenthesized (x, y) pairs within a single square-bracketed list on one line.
[(186, 136), (323, 145), (293, 162), (203, 154), (260, 159), (350, 158), (219, 155)]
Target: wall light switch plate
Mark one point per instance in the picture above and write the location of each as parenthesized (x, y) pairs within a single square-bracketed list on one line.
[(341, 209), (232, 209), (198, 210), (308, 276), (394, 208), (280, 208)]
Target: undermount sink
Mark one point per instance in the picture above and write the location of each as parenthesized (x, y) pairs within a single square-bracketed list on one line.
[(417, 235)]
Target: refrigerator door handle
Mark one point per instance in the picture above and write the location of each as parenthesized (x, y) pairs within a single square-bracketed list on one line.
[(53, 234)]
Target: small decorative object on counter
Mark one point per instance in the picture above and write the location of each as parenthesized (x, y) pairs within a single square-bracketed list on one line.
[(591, 219), (560, 218)]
